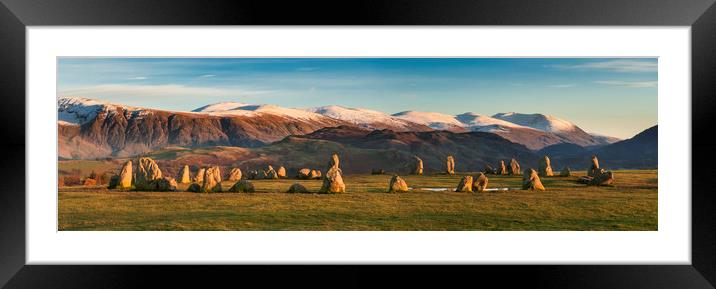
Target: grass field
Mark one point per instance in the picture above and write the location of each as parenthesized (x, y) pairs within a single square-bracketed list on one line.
[(566, 205)]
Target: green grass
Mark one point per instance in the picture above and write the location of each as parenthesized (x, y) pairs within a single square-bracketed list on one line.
[(566, 205)]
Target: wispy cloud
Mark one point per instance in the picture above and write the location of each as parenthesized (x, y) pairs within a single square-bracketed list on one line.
[(138, 78), (627, 66), (165, 90), (207, 75), (631, 84), (562, 85)]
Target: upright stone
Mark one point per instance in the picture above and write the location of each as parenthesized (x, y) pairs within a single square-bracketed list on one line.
[(200, 176), (304, 174), (281, 172), (212, 180), (465, 185), (316, 174), (514, 168), (397, 185), (147, 171), (545, 167), (480, 183), (417, 168), (125, 177), (531, 181), (594, 167), (235, 175), (185, 178), (450, 165), (333, 182), (503, 169)]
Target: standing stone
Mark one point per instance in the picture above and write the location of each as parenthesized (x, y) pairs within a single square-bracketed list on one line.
[(315, 175), (147, 171), (531, 181), (200, 176), (235, 175), (566, 172), (297, 188), (417, 166), (450, 165), (212, 180), (304, 174), (281, 172), (480, 183), (397, 185), (271, 174), (594, 167), (465, 185), (545, 167), (125, 177), (514, 168), (333, 162), (502, 170), (185, 178), (333, 182), (603, 179), (242, 186)]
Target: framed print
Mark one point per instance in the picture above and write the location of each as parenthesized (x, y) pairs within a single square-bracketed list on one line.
[(566, 142)]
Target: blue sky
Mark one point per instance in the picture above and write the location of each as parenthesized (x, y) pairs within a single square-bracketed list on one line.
[(612, 96)]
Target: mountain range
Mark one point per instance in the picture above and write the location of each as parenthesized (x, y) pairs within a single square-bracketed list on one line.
[(89, 128)]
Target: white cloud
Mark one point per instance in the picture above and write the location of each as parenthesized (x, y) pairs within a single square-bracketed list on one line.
[(562, 85), (207, 75), (165, 90), (137, 78), (628, 66), (632, 84)]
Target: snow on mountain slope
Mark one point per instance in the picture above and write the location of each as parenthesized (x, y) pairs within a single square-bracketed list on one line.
[(434, 120), (243, 109), (78, 110), (538, 121), (478, 122), (367, 118)]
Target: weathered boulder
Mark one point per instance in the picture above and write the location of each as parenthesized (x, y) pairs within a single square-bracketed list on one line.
[(234, 175), (450, 165), (333, 182), (281, 172), (480, 183), (593, 167), (377, 172), (502, 170), (185, 178), (397, 185), (316, 174), (465, 184), (113, 182), (489, 169), (200, 176), (212, 180), (514, 168), (603, 179), (566, 172), (297, 188), (164, 184), (194, 187), (243, 186), (304, 174), (125, 176), (545, 167), (147, 171), (531, 181), (417, 168)]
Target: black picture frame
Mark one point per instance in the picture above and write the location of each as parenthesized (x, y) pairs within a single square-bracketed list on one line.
[(15, 15)]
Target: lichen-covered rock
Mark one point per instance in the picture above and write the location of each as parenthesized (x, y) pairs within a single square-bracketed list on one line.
[(397, 185), (242, 186), (304, 174), (125, 176), (234, 175), (450, 165), (566, 172), (194, 187), (531, 181), (185, 178), (333, 182), (480, 183), (514, 168), (147, 171), (199, 179), (212, 180), (417, 168), (465, 185), (281, 172), (593, 167), (502, 170), (545, 167), (297, 188)]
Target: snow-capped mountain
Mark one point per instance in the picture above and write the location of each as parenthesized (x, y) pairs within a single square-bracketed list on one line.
[(252, 110), (538, 121), (433, 120), (367, 118)]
